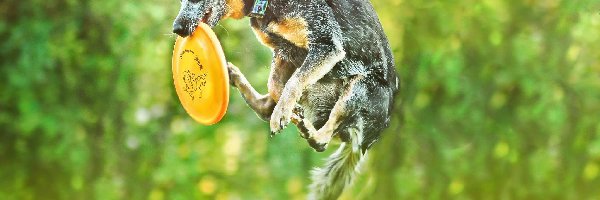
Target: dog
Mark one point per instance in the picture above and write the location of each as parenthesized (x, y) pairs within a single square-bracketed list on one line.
[(332, 74)]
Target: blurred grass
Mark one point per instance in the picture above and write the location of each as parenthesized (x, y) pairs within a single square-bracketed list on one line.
[(500, 100)]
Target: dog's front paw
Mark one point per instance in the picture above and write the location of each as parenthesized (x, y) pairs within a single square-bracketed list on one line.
[(234, 74), (280, 118), (298, 119)]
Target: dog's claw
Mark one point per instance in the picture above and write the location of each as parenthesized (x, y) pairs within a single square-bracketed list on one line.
[(282, 113), (279, 119), (281, 124)]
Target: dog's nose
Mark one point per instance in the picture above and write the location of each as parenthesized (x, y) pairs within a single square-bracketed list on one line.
[(179, 30)]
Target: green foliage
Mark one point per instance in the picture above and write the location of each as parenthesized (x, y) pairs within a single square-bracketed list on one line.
[(500, 99)]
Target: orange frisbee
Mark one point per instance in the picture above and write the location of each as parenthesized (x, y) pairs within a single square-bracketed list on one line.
[(200, 75)]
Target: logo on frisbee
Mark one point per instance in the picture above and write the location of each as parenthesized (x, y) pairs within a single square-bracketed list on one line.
[(194, 82)]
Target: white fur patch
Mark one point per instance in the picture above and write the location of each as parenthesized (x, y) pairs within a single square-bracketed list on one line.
[(339, 171)]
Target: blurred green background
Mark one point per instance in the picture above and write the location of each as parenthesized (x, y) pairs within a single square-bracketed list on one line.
[(500, 100)]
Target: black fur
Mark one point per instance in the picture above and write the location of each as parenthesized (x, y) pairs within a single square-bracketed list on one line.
[(333, 73)]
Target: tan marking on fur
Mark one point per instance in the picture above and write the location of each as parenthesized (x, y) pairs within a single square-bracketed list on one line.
[(276, 84), (235, 9), (263, 37), (292, 29)]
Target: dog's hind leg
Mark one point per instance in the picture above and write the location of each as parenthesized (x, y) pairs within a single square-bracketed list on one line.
[(305, 127), (353, 94), (262, 104)]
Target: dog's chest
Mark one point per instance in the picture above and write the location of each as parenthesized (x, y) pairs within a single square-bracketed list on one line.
[(293, 29)]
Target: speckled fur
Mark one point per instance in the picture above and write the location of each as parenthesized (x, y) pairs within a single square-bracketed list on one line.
[(333, 75)]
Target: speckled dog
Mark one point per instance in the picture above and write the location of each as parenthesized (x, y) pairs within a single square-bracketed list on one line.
[(332, 74)]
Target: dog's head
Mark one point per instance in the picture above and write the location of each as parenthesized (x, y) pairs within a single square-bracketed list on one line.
[(193, 12)]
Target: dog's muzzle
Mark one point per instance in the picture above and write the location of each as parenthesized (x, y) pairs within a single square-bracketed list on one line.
[(180, 29), (181, 26)]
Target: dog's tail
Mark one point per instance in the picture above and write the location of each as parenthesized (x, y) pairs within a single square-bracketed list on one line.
[(339, 171)]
